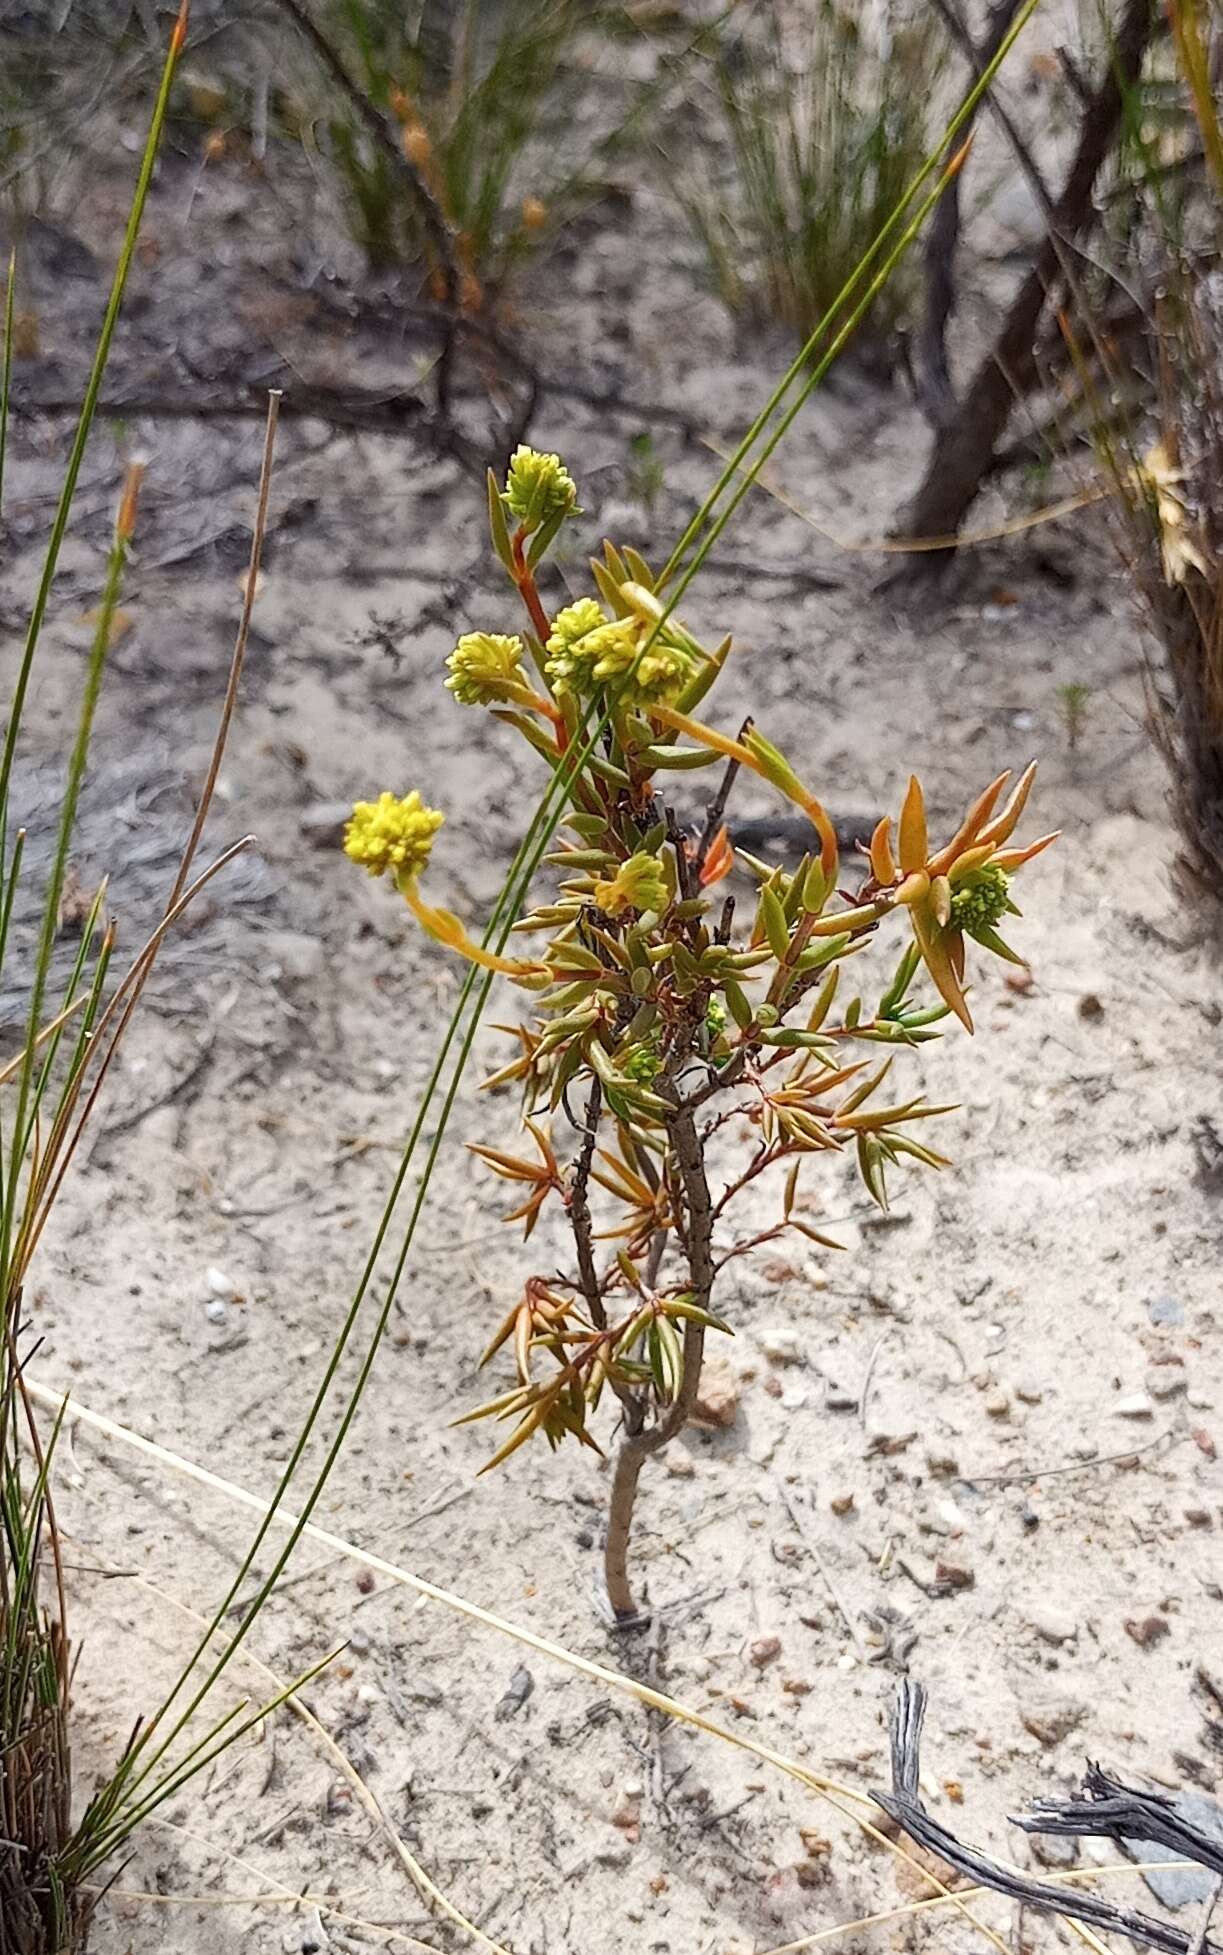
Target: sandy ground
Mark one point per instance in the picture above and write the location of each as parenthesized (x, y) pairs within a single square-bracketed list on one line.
[(1013, 1380)]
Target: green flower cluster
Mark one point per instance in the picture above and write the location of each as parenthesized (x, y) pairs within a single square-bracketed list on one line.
[(981, 900), (587, 649), (539, 489), (644, 1062)]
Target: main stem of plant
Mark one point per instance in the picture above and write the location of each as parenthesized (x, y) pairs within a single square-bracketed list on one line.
[(638, 1441)]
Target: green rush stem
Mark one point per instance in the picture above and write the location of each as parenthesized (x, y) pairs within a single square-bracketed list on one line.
[(6, 373), (496, 934), (346, 1331), (201, 1756), (26, 1114), (88, 410), (37, 617)]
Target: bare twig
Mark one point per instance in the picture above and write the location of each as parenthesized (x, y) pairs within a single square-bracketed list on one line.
[(717, 807), (942, 240), (813, 1545), (1066, 1466), (1142, 1813), (238, 660), (868, 1375), (579, 1212)]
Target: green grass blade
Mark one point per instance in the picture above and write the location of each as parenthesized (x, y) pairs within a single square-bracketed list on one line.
[(89, 404), (27, 1100), (6, 371)]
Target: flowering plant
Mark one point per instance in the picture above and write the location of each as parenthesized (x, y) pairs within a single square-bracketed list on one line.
[(668, 1007)]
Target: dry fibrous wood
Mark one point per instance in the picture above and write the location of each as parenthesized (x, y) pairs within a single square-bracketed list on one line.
[(1108, 1810)]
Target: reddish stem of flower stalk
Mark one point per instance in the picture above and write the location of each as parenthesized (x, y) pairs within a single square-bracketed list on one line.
[(524, 578)]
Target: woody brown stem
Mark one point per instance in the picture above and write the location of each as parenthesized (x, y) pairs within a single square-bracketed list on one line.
[(579, 1212), (638, 1441)]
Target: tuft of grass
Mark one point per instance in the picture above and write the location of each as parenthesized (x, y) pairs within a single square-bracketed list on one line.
[(484, 114), (817, 132), (1073, 701)]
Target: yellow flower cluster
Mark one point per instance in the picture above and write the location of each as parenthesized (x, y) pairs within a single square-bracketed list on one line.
[(484, 666), (389, 836), (587, 649)]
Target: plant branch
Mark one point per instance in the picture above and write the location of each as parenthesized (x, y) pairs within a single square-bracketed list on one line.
[(964, 447), (943, 236), (579, 1211)]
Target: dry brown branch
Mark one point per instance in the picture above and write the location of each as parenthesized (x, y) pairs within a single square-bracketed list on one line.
[(964, 447), (1111, 1811), (942, 240)]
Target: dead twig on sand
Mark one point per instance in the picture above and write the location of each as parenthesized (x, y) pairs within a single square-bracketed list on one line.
[(1109, 1811), (1025, 1474)]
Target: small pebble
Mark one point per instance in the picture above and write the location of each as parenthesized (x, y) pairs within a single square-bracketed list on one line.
[(1166, 1381), (1051, 1719), (1136, 1405), (1147, 1630), (221, 1285), (765, 1650), (998, 1406), (1167, 1311), (781, 1345), (842, 1503), (1198, 1517), (953, 1575), (1090, 1007), (216, 1312), (1052, 1625), (717, 1398)]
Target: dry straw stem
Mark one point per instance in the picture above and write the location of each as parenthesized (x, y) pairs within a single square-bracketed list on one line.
[(843, 1798), (295, 1702), (122, 1004), (1053, 512)]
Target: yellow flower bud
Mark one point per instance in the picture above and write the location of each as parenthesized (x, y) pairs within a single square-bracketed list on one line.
[(483, 666), (638, 884), (587, 649), (538, 487)]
